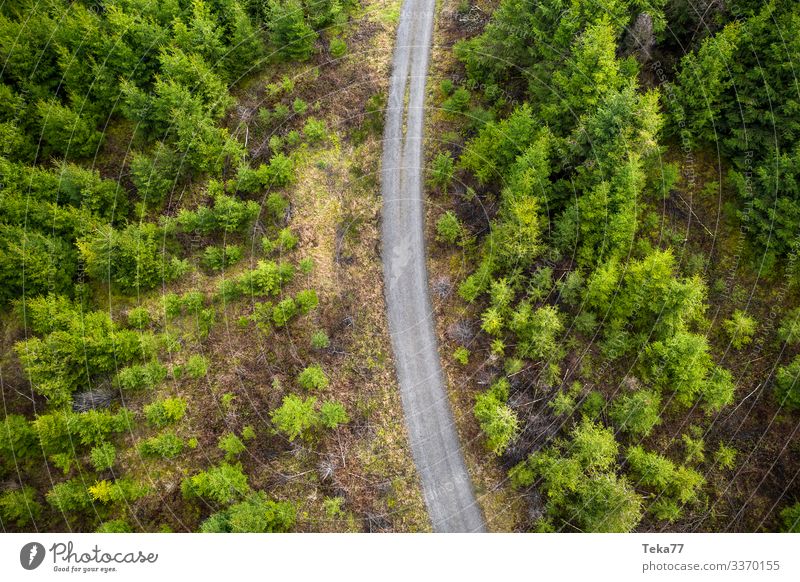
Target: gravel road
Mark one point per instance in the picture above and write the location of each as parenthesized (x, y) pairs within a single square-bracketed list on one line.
[(434, 441)]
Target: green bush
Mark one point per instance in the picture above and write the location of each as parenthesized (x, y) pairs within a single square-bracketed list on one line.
[(787, 386), (164, 412), (139, 318), (306, 301), (218, 258), (133, 258), (449, 229), (497, 421), (296, 417), (315, 130), (790, 518), (337, 47), (231, 445), (19, 507), (461, 355), (284, 312), (103, 456), (124, 490), (114, 526), (222, 484), (166, 445), (313, 378), (320, 340), (141, 376), (637, 413), (789, 330), (442, 169), (740, 328), (725, 457), (19, 441), (196, 366), (69, 496), (255, 514), (332, 413)]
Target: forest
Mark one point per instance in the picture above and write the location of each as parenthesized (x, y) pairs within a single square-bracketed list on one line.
[(190, 280), (619, 180), (173, 356)]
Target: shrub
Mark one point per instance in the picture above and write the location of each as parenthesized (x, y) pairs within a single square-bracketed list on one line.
[(122, 490), (231, 445), (222, 484), (18, 440), (166, 445), (287, 241), (164, 412), (448, 228), (306, 301), (332, 414), (141, 376), (255, 514), (787, 387), (19, 507), (593, 446), (740, 328), (132, 259), (663, 477), (276, 205), (296, 417), (103, 456), (139, 318), (315, 130), (320, 340), (725, 457), (497, 421), (694, 448), (333, 507), (441, 174), (337, 47), (284, 312), (790, 518), (789, 330), (637, 413), (457, 102), (564, 402), (69, 496), (219, 258), (196, 366), (114, 526), (313, 378), (299, 106), (461, 355)]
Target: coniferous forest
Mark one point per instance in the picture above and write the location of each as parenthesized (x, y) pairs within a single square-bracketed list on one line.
[(194, 333)]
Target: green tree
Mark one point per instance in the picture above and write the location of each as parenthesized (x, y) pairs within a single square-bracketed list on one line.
[(296, 417), (103, 456), (740, 328), (787, 386), (442, 169), (164, 412), (313, 378), (19, 507), (449, 229), (290, 33), (497, 421), (637, 413), (255, 514), (333, 413), (222, 484)]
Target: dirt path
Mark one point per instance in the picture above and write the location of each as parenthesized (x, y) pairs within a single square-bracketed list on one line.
[(434, 441)]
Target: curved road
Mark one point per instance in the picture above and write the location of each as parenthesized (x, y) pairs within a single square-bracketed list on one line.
[(434, 442)]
